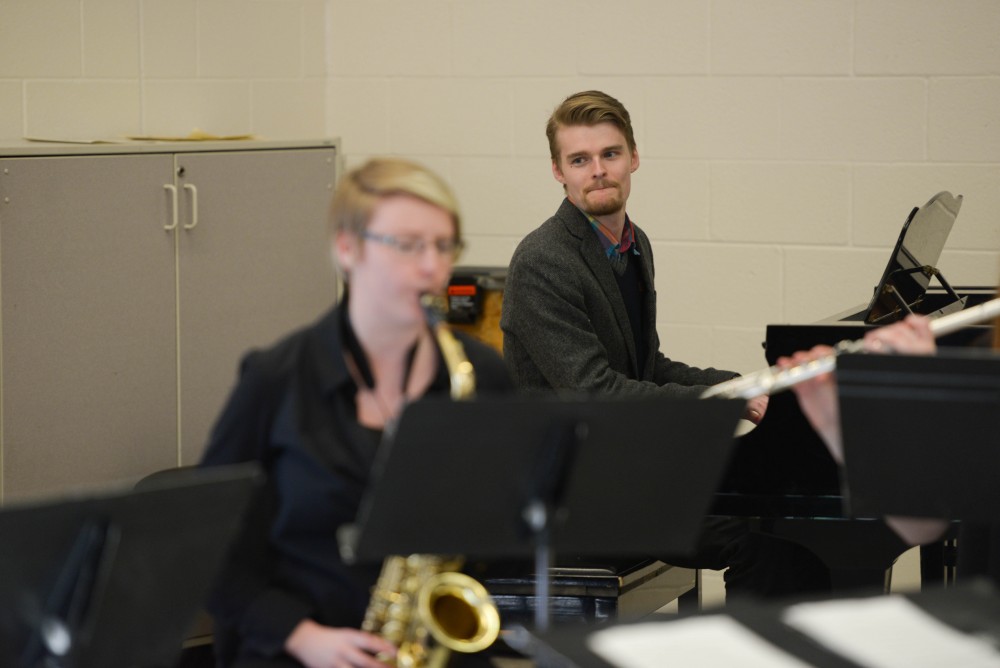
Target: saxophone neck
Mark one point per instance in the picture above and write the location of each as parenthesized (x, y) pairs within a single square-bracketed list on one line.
[(460, 370)]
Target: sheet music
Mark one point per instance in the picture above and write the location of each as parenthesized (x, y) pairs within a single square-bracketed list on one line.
[(889, 632), (713, 641)]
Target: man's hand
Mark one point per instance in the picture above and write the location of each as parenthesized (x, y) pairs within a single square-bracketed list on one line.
[(755, 409)]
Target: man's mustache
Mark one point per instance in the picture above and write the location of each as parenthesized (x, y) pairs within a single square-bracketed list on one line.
[(602, 184)]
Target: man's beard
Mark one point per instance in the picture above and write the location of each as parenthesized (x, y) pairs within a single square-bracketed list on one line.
[(605, 206)]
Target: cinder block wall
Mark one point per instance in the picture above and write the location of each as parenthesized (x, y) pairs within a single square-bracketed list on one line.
[(85, 69), (783, 142)]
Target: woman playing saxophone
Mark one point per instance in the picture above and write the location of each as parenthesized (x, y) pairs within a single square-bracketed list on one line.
[(312, 408)]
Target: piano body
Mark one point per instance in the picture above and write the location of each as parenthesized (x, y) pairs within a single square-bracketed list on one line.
[(781, 474)]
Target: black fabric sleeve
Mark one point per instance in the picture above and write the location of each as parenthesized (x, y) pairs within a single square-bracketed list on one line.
[(244, 602)]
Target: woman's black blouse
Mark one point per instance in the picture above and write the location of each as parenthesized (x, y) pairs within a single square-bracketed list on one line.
[(293, 411)]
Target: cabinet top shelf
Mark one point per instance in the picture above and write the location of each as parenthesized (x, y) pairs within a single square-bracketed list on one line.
[(10, 148)]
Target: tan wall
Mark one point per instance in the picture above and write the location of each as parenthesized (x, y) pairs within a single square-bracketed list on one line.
[(783, 142)]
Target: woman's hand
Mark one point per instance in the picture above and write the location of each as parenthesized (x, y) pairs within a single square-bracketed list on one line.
[(318, 646), (818, 400), (818, 396), (911, 336)]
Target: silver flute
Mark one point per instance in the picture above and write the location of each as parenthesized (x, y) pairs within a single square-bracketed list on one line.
[(775, 379)]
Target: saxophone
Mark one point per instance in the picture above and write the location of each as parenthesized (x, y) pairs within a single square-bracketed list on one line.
[(421, 603)]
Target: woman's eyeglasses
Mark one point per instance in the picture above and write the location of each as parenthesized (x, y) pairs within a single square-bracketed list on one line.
[(415, 246)]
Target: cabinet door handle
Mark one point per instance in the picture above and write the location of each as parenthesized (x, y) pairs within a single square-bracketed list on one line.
[(194, 206), (172, 189)]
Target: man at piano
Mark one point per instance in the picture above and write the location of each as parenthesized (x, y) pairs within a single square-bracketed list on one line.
[(579, 313), (579, 300), (979, 546)]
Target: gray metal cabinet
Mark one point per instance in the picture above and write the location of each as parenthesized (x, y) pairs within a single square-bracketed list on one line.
[(132, 280)]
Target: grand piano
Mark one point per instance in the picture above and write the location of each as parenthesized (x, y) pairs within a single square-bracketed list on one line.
[(781, 474)]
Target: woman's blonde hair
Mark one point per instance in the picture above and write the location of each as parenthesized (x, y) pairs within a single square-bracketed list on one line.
[(361, 189)]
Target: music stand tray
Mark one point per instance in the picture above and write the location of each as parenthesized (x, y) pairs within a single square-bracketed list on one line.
[(920, 434), (115, 578)]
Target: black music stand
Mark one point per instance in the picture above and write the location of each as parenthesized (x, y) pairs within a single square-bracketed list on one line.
[(920, 434), (971, 608), (515, 477), (115, 578)]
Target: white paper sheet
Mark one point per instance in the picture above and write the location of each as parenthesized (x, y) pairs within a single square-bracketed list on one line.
[(889, 632), (713, 641)]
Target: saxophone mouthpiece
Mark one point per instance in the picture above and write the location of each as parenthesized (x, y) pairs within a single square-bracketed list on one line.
[(435, 307), (463, 376)]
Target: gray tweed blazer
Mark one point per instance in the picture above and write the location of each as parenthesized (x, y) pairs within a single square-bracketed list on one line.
[(565, 325)]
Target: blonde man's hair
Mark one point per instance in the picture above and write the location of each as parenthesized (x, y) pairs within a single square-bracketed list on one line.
[(361, 189), (589, 108)]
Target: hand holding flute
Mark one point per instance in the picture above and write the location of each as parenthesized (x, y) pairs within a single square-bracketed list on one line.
[(777, 378), (817, 395)]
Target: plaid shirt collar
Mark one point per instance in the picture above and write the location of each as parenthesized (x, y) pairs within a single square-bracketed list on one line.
[(612, 246)]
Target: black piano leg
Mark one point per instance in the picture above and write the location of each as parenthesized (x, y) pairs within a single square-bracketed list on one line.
[(938, 562), (690, 601)]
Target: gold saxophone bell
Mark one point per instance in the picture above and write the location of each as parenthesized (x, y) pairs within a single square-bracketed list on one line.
[(461, 613), (427, 609), (421, 603)]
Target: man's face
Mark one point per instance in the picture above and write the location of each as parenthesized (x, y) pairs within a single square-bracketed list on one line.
[(596, 167)]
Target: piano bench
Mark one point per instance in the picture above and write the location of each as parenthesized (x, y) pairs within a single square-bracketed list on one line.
[(617, 592)]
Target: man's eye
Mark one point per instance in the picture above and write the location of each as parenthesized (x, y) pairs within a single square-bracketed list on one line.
[(577, 161), (409, 245)]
